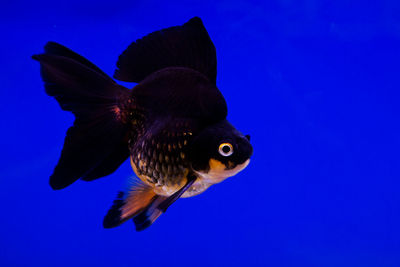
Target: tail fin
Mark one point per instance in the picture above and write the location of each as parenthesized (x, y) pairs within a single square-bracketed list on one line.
[(95, 145), (187, 46), (140, 202)]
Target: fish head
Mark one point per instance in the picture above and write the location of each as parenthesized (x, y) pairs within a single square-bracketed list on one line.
[(219, 151)]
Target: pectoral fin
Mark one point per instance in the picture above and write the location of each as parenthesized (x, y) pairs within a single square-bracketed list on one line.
[(171, 199)]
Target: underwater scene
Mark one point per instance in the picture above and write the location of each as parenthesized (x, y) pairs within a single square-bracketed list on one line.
[(200, 133)]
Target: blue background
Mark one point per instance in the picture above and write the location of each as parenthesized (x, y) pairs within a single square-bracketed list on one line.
[(315, 83)]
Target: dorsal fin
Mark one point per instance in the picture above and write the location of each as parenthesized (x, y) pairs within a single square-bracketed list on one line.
[(187, 46)]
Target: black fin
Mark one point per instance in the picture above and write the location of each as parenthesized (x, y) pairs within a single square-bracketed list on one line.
[(113, 217), (53, 48), (110, 163), (174, 197), (127, 205), (147, 217), (94, 98), (188, 46), (159, 206)]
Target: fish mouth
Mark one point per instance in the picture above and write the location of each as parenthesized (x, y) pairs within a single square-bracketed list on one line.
[(218, 171)]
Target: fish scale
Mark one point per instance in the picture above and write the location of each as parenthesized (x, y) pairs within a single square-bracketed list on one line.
[(160, 160)]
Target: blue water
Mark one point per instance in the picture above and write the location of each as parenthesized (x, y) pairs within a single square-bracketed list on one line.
[(316, 85)]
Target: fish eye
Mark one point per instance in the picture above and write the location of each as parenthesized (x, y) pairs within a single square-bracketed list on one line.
[(225, 149)]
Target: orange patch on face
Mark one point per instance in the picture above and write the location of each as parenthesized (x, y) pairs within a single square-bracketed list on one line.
[(219, 172), (216, 165)]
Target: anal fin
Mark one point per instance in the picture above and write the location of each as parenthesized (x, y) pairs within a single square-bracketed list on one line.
[(146, 218), (128, 205), (141, 204), (160, 205)]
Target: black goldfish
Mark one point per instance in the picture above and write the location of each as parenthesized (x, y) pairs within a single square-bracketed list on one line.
[(172, 124)]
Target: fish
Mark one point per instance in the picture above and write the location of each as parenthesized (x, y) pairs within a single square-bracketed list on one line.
[(172, 124)]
